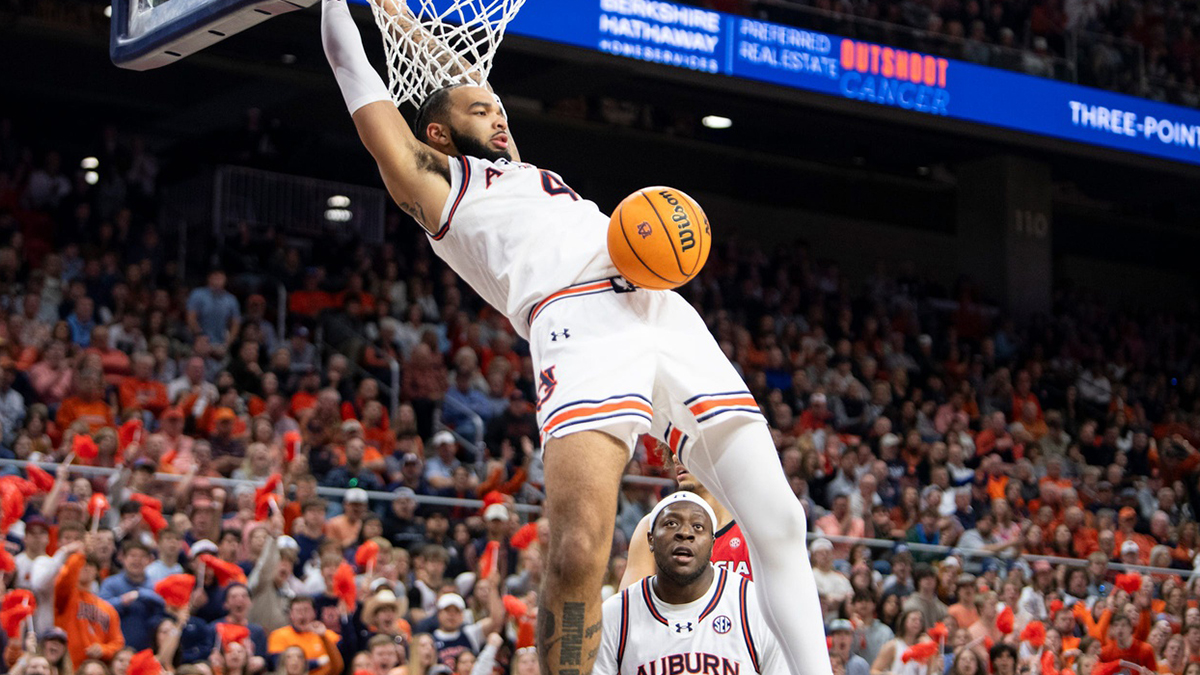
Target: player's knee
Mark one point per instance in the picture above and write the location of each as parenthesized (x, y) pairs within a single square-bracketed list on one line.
[(787, 526), (576, 557)]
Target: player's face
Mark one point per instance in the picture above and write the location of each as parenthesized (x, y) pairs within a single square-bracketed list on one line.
[(478, 125), (683, 477), (682, 542)]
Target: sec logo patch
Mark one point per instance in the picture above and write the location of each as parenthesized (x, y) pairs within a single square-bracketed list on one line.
[(722, 624)]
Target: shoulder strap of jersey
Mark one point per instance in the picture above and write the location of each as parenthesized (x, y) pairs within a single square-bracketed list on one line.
[(743, 590), (622, 638)]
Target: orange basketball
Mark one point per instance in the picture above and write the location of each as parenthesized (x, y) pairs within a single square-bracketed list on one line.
[(659, 238)]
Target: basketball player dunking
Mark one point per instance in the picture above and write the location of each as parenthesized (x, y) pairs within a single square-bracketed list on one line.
[(613, 362), (729, 550), (689, 616)]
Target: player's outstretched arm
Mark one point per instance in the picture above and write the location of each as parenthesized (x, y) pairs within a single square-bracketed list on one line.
[(640, 562), (417, 176)]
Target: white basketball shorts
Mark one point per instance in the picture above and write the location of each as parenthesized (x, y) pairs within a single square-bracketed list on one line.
[(628, 362)]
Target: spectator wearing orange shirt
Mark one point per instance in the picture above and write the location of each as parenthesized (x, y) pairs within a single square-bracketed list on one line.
[(140, 391), (841, 522), (1122, 646), (1126, 519), (965, 611), (114, 362), (87, 404), (93, 627), (318, 643), (995, 438)]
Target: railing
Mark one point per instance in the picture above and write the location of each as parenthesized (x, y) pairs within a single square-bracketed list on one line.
[(281, 312), (945, 551), (475, 445), (531, 509), (295, 205)]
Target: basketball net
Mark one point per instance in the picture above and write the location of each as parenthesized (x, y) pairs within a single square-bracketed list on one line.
[(430, 44)]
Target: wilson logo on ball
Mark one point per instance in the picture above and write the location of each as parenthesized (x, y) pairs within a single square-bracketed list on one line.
[(664, 257), (680, 217)]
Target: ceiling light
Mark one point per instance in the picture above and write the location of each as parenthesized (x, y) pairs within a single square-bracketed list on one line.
[(716, 122)]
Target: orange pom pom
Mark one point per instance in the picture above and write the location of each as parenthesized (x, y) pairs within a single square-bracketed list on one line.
[(144, 663), (176, 589), (366, 555), (291, 445), (7, 562), (84, 447), (232, 632), (39, 477), (919, 652), (344, 587), (1005, 621), (12, 617), (97, 505), (1130, 583), (939, 632), (17, 597), (1034, 633), (225, 572)]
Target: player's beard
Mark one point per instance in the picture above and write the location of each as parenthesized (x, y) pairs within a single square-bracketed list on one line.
[(681, 580), (472, 147)]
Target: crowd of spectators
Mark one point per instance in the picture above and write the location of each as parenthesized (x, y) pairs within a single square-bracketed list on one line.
[(1147, 49), (1068, 436)]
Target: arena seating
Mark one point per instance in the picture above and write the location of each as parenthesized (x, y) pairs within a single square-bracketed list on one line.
[(1030, 484)]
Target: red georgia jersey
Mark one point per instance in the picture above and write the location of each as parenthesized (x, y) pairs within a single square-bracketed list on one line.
[(730, 551)]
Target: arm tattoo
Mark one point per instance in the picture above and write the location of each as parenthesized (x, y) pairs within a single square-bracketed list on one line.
[(414, 209)]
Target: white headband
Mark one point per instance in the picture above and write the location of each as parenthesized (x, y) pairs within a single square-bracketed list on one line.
[(682, 496)]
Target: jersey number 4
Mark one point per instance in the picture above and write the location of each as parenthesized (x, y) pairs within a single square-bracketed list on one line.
[(553, 185)]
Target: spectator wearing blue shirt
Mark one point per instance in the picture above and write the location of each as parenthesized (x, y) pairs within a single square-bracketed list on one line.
[(237, 603), (439, 469), (462, 400), (213, 311), (133, 596), (82, 321)]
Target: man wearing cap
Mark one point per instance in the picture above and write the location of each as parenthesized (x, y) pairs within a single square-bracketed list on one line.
[(832, 585), (344, 529), (503, 558), (439, 469), (689, 616), (453, 636), (400, 523), (841, 639), (1126, 520)]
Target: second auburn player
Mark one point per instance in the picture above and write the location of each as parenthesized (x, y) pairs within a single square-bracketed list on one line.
[(729, 552), (688, 616)]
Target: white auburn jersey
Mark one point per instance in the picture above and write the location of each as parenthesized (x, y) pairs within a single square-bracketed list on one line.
[(517, 233), (721, 633)]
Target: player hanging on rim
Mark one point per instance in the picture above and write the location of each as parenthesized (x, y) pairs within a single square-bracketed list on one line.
[(729, 550), (613, 362)]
